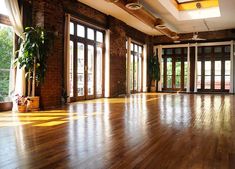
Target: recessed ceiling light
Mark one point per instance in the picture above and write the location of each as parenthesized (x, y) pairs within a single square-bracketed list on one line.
[(134, 5), (160, 26)]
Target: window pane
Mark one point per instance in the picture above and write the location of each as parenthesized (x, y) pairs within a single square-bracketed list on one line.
[(178, 68), (169, 81), (168, 51), (207, 49), (90, 33), (227, 67), (217, 82), (218, 68), (139, 73), (227, 49), (136, 48), (90, 65), (227, 74), (178, 51), (227, 82), (199, 68), (99, 66), (178, 73), (185, 74), (207, 67), (80, 70), (199, 82), (207, 82), (131, 73), (140, 49), (135, 73), (169, 66), (81, 31), (99, 36), (71, 68), (218, 49), (132, 47), (6, 48), (177, 81), (71, 27)]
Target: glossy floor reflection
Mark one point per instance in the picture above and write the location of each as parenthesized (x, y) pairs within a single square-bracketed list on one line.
[(159, 131)]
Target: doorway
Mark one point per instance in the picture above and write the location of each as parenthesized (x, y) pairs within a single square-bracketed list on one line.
[(136, 68), (175, 69), (86, 75)]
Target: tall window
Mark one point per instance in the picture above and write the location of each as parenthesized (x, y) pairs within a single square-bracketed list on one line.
[(175, 69), (6, 52), (86, 62), (136, 68), (213, 68)]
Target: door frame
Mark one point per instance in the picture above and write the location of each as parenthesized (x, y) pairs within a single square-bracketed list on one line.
[(85, 41)]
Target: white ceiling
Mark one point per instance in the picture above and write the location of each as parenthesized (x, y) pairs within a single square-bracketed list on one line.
[(226, 21)]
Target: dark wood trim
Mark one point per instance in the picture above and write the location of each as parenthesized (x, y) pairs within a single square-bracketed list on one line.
[(84, 40)]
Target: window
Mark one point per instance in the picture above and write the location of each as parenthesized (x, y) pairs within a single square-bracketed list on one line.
[(175, 69), (86, 62), (136, 68), (6, 53), (214, 68)]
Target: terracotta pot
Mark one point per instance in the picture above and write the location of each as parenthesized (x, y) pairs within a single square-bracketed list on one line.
[(33, 103), (22, 108)]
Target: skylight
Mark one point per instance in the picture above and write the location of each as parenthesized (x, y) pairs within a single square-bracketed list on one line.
[(192, 9), (185, 1)]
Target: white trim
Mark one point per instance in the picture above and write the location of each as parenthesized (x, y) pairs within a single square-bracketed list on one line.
[(232, 69), (128, 86), (189, 73), (145, 68), (107, 63), (196, 58), (196, 44)]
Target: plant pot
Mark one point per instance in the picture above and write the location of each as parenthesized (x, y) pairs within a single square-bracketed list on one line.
[(33, 103), (22, 108)]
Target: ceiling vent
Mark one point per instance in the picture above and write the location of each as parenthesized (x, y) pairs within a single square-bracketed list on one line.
[(133, 5)]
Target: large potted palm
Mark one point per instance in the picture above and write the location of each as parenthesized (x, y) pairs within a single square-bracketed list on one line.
[(154, 73), (35, 47)]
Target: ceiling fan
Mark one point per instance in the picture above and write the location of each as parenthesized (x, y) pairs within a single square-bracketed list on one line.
[(195, 37)]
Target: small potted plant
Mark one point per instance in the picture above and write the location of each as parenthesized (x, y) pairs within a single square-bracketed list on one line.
[(22, 103)]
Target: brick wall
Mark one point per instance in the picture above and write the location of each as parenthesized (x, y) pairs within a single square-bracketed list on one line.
[(50, 14)]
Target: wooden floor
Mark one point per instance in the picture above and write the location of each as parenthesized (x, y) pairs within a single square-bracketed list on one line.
[(153, 131)]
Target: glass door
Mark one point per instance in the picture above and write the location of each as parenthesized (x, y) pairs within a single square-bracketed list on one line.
[(213, 69), (136, 68), (86, 60), (175, 69)]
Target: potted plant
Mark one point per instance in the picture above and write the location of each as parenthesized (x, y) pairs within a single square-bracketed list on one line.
[(21, 102), (35, 47), (154, 73)]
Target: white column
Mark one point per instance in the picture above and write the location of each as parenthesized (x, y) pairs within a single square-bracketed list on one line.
[(160, 67), (196, 56), (107, 63), (145, 69), (189, 73), (128, 86), (232, 68)]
